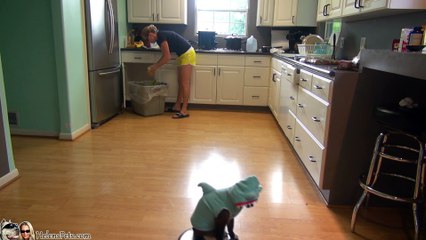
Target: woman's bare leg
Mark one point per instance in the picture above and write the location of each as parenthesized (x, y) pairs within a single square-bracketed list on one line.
[(185, 73)]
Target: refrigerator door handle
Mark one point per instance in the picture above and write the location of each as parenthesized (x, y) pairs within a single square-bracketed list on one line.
[(110, 72), (111, 26)]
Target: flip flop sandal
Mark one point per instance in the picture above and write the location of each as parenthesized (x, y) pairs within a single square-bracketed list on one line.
[(170, 109), (180, 115)]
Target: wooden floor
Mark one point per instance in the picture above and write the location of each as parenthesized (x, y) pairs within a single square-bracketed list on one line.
[(136, 178)]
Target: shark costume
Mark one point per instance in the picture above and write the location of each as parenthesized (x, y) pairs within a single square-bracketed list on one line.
[(233, 199)]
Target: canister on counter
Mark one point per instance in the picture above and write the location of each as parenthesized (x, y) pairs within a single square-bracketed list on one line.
[(403, 40)]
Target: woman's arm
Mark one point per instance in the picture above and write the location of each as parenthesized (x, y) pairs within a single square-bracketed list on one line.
[(163, 60)]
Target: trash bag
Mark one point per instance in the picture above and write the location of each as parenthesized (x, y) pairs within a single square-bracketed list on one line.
[(143, 91)]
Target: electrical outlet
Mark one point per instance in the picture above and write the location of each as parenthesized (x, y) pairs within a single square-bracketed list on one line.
[(362, 43)]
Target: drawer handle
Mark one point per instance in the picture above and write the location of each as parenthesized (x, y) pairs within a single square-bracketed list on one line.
[(139, 58), (256, 77), (292, 98), (289, 75), (289, 127), (300, 105), (303, 80), (315, 119), (317, 87), (311, 158), (297, 139), (257, 61), (256, 97)]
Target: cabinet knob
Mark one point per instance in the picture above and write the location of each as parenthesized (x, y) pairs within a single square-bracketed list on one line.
[(303, 80), (292, 98), (297, 139), (315, 119), (312, 158), (317, 87), (289, 127), (300, 105)]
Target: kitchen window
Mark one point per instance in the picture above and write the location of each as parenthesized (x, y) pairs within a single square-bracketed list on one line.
[(225, 17)]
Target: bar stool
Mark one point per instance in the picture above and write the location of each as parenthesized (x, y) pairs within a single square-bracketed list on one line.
[(397, 148)]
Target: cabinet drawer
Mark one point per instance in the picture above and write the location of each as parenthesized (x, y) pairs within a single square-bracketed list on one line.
[(291, 74), (289, 125), (312, 112), (309, 151), (321, 87), (206, 59), (258, 77), (256, 96), (258, 61), (230, 60), (140, 57), (305, 79), (276, 64)]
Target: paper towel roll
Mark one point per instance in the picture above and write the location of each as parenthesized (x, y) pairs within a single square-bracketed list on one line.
[(278, 39)]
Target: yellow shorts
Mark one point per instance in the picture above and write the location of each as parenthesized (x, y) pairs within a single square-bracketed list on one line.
[(188, 58)]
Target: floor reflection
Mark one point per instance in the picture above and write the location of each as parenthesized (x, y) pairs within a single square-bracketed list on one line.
[(216, 170)]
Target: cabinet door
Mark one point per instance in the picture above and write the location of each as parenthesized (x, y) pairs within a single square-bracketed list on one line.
[(349, 7), (285, 12), (203, 85), (328, 9), (168, 74), (230, 83), (142, 11), (274, 87), (171, 11), (287, 102), (265, 12)]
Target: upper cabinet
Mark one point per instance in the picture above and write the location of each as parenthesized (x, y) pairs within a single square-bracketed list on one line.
[(328, 9), (157, 11), (286, 13), (265, 12), (351, 7)]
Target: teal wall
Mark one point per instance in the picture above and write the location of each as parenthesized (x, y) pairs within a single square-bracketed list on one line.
[(29, 64), (8, 166), (68, 28), (122, 22), (44, 65)]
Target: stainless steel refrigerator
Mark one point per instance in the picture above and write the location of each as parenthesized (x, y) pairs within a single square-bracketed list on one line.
[(105, 84)]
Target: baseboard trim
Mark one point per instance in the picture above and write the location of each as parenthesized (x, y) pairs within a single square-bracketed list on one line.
[(26, 132), (75, 134), (8, 178)]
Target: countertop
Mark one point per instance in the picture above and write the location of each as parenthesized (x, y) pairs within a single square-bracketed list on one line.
[(410, 64), (218, 50)]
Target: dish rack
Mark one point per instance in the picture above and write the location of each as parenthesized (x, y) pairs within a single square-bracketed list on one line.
[(318, 50)]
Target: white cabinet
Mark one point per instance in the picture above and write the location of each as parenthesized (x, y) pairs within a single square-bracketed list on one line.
[(218, 79), (295, 13), (351, 7), (157, 11), (288, 100), (328, 9), (265, 12), (274, 86), (355, 7), (256, 80)]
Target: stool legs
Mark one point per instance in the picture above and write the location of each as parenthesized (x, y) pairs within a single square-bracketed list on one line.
[(384, 150), (356, 208)]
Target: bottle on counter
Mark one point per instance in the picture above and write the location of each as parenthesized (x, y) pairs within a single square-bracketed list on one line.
[(251, 44), (415, 38)]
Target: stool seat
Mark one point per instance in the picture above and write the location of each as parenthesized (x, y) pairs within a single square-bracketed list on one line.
[(397, 157)]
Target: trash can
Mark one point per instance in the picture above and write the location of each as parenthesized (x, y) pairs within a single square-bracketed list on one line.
[(147, 97)]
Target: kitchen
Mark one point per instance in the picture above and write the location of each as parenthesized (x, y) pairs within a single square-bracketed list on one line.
[(50, 98)]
